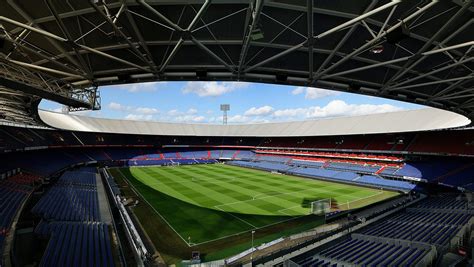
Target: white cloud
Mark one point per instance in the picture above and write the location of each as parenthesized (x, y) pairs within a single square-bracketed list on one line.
[(174, 112), (290, 112), (213, 88), (191, 118), (238, 119), (314, 93), (298, 90), (144, 110), (335, 108), (135, 110), (261, 111), (141, 87), (117, 106), (241, 119), (139, 117), (192, 111)]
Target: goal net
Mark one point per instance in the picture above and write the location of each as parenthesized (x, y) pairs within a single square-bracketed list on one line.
[(360, 202), (320, 207)]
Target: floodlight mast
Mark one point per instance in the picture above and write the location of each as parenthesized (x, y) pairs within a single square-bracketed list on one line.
[(224, 109)]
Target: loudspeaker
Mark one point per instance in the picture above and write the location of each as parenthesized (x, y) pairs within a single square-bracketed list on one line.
[(398, 34)]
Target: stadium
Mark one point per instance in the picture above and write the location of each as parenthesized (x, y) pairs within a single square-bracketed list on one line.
[(346, 188)]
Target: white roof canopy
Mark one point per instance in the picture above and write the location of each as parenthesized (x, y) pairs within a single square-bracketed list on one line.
[(402, 121)]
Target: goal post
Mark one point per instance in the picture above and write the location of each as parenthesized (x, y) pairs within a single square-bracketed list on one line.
[(321, 207)]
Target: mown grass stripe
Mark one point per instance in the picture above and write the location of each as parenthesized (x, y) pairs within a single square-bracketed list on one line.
[(191, 197), (245, 193)]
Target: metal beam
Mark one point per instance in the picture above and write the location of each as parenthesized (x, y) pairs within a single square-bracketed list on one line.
[(279, 55), (124, 37), (142, 41), (255, 8), (209, 52), (257, 44), (199, 15), (326, 33), (43, 54), (271, 42), (188, 32), (41, 68), (449, 88), (58, 38), (29, 89), (379, 37), (206, 25), (457, 96), (432, 83), (172, 54), (358, 18), (310, 17), (65, 31), (161, 16), (412, 63), (397, 60), (55, 44), (342, 42), (437, 70)]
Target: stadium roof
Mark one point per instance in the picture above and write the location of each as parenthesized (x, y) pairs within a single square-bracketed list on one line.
[(391, 122), (415, 51)]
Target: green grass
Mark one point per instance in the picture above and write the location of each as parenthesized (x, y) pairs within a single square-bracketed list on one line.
[(218, 205)]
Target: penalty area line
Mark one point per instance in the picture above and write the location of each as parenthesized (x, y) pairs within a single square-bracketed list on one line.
[(242, 220)]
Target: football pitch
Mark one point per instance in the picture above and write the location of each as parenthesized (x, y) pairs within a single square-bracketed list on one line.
[(205, 203)]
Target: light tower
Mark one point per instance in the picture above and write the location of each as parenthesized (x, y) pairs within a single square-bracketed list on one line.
[(224, 109)]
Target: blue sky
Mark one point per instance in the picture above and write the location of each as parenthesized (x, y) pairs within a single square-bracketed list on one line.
[(199, 102)]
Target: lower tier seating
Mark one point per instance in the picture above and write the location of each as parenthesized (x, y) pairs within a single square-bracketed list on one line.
[(69, 204), (335, 175), (13, 192), (354, 250), (76, 244), (71, 221), (402, 239)]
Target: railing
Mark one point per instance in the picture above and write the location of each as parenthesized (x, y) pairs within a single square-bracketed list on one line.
[(139, 249)]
